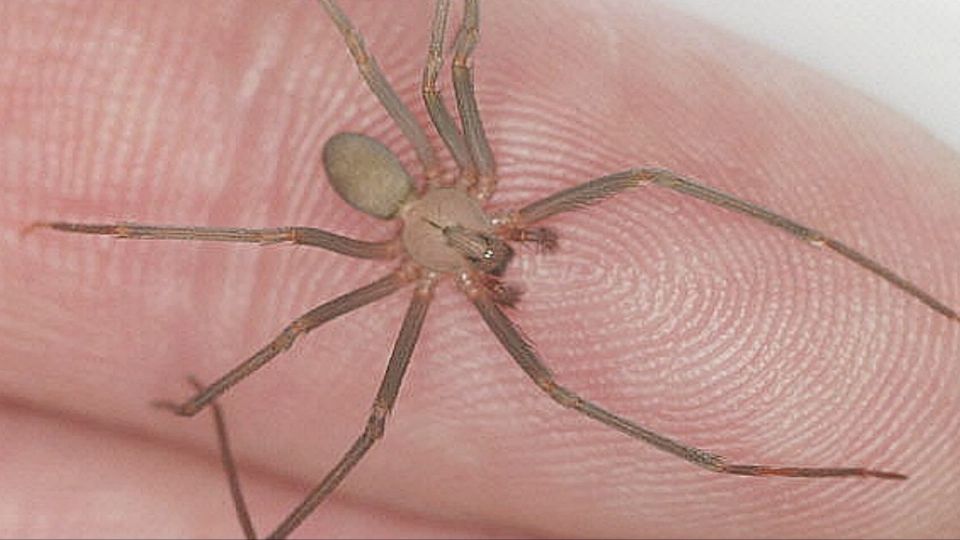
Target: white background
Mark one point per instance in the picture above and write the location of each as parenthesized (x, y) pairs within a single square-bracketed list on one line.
[(905, 53)]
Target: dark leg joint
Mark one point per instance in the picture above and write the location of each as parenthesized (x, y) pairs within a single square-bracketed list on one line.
[(544, 239), (376, 423), (190, 408), (560, 394)]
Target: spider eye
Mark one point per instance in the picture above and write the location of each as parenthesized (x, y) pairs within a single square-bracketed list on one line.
[(486, 252), (366, 174), (495, 257)]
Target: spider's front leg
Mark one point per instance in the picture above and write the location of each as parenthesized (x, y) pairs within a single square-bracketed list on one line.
[(473, 131), (377, 82), (599, 189)]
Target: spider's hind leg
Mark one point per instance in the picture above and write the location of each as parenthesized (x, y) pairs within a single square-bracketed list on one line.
[(229, 464)]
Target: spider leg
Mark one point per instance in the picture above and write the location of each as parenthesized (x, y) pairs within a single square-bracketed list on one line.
[(544, 239), (605, 187), (382, 405), (439, 114), (524, 354), (229, 465), (377, 82), (304, 236), (466, 40), (300, 326)]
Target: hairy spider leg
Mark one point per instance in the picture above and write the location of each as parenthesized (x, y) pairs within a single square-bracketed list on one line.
[(439, 114), (527, 358), (465, 42), (382, 405), (373, 75), (602, 188), (300, 326)]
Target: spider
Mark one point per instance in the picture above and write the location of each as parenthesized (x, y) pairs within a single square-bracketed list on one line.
[(448, 234)]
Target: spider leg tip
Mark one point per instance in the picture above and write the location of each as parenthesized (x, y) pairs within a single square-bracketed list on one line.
[(170, 406), (32, 227), (885, 475)]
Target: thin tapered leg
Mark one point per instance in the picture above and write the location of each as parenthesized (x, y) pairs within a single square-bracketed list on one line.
[(229, 465), (466, 40), (371, 73), (605, 187), (303, 324), (524, 354), (304, 236), (439, 114), (382, 405)]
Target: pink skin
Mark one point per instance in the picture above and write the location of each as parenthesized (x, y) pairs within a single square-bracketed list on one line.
[(692, 321)]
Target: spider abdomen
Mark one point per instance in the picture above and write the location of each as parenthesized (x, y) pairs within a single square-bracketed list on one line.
[(366, 174)]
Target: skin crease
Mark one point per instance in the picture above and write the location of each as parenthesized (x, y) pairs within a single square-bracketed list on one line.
[(695, 322)]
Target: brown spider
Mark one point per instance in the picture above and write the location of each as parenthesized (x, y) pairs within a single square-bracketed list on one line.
[(447, 233)]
